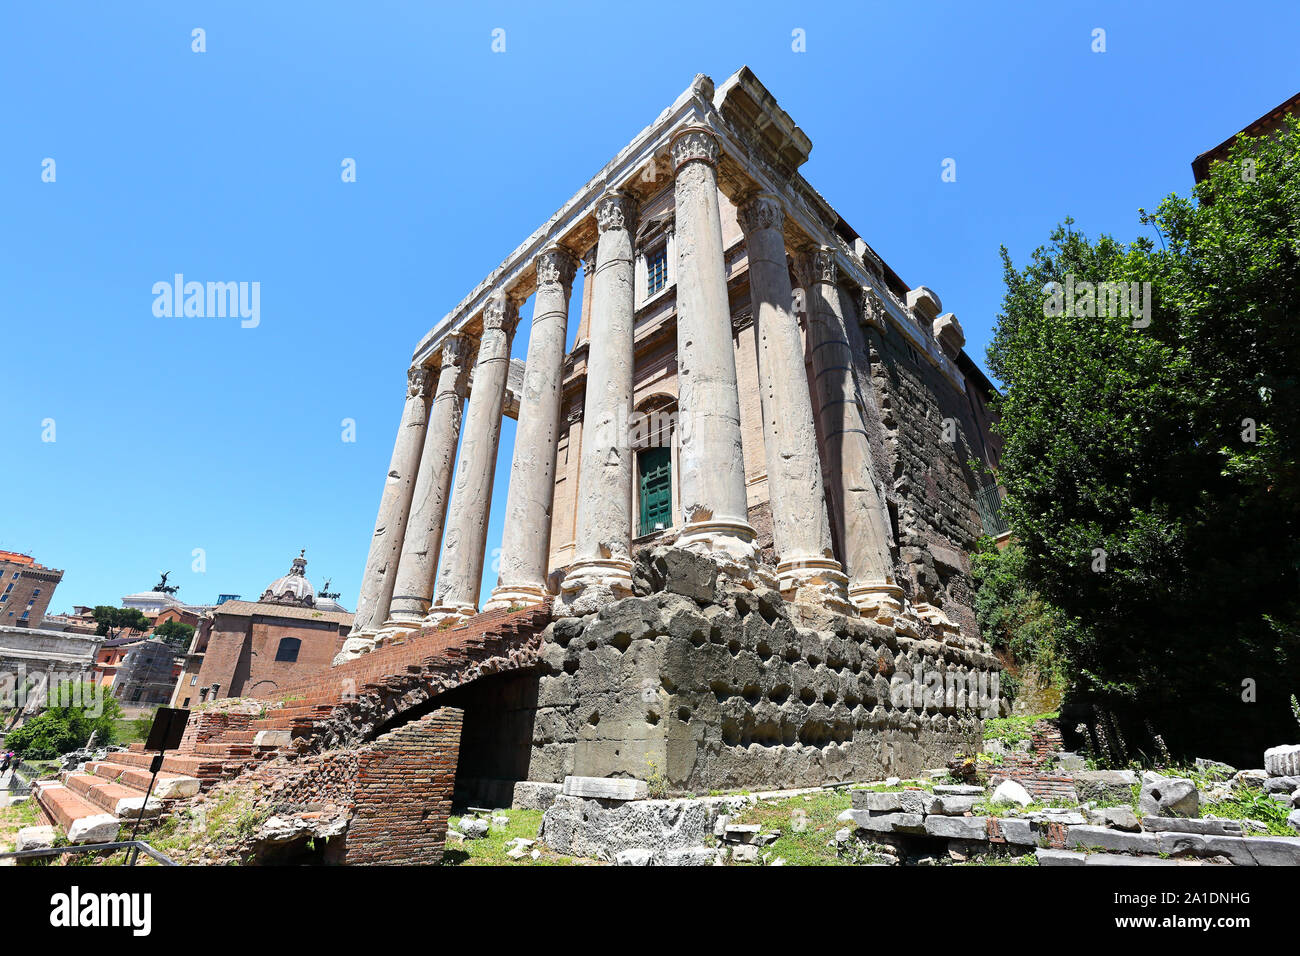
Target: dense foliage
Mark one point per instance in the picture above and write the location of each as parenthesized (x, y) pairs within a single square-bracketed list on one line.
[(75, 713), (1150, 462), (176, 633), (1012, 617), (111, 621)]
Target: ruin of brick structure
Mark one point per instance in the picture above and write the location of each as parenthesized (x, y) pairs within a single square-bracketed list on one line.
[(750, 386)]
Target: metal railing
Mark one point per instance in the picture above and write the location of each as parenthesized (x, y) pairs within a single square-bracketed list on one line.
[(988, 501), (138, 846)]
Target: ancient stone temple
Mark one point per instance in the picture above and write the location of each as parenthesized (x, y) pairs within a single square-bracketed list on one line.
[(745, 493)]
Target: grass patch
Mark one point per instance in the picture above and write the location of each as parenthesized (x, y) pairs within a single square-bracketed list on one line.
[(210, 829), (13, 818), (127, 732), (491, 849), (1252, 803), (1012, 730), (1001, 858), (816, 814)]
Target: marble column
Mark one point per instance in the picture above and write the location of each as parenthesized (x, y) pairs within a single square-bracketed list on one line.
[(419, 561), (801, 533), (390, 526), (461, 570), (526, 542), (858, 509), (602, 570), (712, 475)]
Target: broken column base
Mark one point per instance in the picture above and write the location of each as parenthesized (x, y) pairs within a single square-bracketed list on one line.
[(819, 582), (506, 596), (728, 544), (450, 615), (592, 584), (355, 646)]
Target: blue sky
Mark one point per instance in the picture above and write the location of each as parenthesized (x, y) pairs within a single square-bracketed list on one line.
[(173, 434)]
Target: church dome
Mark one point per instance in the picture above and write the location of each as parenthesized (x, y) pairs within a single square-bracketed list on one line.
[(293, 588)]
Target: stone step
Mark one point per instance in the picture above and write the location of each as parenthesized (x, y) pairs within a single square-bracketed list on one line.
[(119, 799), (169, 786), (190, 765), (80, 820)]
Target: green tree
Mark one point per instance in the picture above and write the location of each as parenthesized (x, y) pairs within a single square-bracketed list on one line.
[(176, 633), (75, 711), (1150, 469), (112, 621), (1013, 618)]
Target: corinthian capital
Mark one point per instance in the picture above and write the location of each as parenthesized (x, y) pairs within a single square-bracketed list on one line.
[(614, 211), (694, 143), (762, 211), (454, 351), (819, 265), (555, 266), (500, 314), (417, 381)]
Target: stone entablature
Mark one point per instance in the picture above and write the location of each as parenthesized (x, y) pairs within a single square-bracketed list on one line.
[(750, 162)]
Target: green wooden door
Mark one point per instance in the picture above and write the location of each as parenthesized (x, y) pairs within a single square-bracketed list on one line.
[(656, 466)]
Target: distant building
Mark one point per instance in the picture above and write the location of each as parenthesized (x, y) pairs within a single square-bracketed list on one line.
[(25, 589), (109, 659), (147, 673), (112, 667), (153, 603), (1270, 122), (245, 648), (33, 657), (81, 620)]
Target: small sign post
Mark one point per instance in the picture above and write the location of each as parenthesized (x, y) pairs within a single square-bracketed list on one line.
[(165, 734)]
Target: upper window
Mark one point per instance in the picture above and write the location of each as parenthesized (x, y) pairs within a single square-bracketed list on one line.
[(656, 271), (288, 649)]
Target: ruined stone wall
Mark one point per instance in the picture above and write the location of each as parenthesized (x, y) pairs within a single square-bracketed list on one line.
[(927, 480), (701, 687)]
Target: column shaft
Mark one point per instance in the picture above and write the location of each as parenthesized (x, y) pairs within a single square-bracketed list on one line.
[(394, 506), (419, 561), (859, 514), (525, 544), (800, 528), (603, 565), (712, 477), (461, 571)]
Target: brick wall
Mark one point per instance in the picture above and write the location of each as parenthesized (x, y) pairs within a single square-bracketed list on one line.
[(1027, 768), (241, 654), (330, 684), (210, 725), (403, 793), (928, 480)]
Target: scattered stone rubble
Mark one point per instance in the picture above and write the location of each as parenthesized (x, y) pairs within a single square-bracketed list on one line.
[(913, 822)]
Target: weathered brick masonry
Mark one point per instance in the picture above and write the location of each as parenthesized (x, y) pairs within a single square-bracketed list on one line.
[(929, 483), (403, 792), (1029, 769)]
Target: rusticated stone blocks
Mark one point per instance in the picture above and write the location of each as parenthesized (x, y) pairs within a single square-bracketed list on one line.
[(728, 693)]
